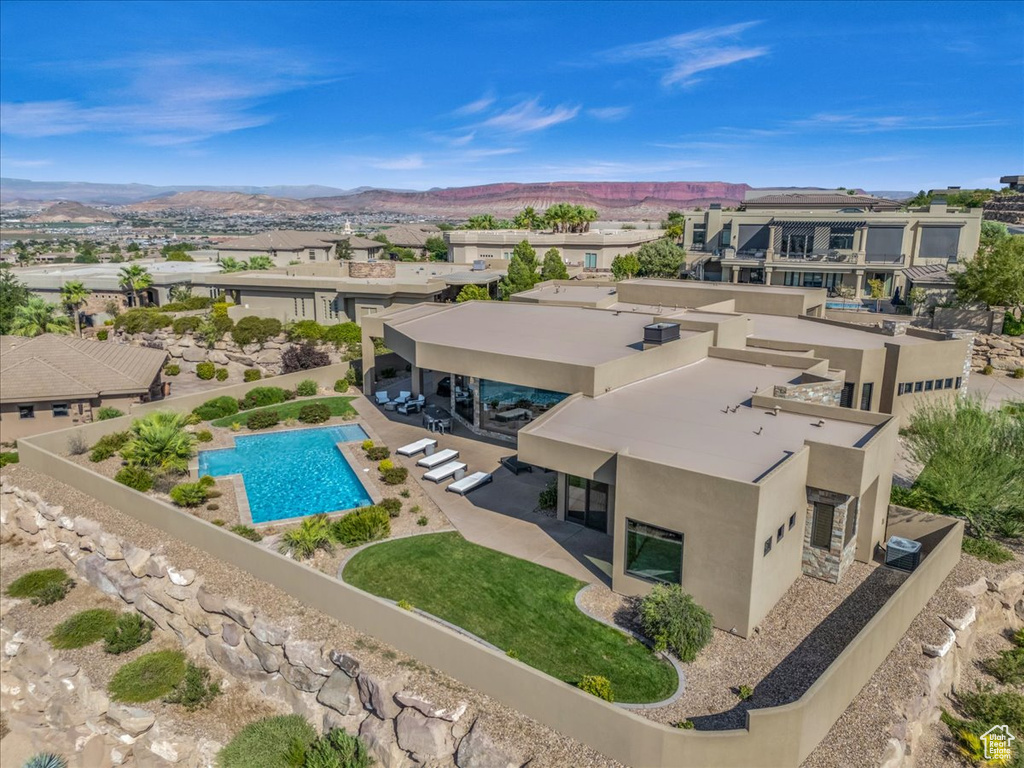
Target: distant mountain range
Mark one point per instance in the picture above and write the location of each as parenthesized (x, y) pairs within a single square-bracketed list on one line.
[(121, 194), (70, 211)]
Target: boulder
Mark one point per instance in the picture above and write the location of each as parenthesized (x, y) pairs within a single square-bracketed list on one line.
[(231, 633), (86, 527), (239, 661), (156, 567), (193, 354), (234, 357), (180, 593), (344, 662), (938, 650), (137, 559), (424, 707), (269, 633), (217, 356), (297, 702), (302, 678), (426, 737), (155, 592), (131, 720), (212, 603), (308, 654), (382, 744), (478, 750), (26, 520), (180, 627), (960, 623), (181, 578), (340, 693), (379, 696), (109, 546), (152, 610), (270, 656), (91, 568), (206, 623)]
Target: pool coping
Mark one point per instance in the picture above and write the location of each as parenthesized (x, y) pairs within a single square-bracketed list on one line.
[(344, 448)]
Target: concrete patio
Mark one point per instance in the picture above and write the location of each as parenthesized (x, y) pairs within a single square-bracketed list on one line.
[(499, 515)]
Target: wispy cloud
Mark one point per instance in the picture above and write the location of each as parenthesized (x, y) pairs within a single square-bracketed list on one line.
[(860, 123), (168, 99), (475, 107), (528, 116), (609, 114), (404, 163), (18, 162), (690, 53)]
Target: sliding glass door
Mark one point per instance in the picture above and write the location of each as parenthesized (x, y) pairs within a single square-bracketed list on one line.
[(586, 502)]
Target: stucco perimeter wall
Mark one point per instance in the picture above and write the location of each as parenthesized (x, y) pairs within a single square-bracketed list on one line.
[(781, 736)]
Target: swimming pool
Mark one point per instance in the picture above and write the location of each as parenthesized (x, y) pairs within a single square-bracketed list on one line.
[(292, 474)]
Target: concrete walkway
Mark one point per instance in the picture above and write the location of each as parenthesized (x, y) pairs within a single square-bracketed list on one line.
[(499, 515), (995, 389)]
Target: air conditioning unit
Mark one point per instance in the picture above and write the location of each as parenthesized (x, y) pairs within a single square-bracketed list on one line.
[(902, 554)]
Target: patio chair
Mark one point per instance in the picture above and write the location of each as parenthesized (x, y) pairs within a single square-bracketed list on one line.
[(381, 397), (426, 444), (438, 458), (412, 406), (469, 482), (454, 469), (403, 396), (515, 466)]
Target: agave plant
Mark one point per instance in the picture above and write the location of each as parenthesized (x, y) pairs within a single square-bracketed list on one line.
[(304, 540), (160, 442), (46, 760)]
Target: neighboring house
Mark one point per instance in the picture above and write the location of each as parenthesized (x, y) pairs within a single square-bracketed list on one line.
[(826, 241), (50, 382), (593, 251), (938, 284), (411, 236), (288, 245), (713, 452)]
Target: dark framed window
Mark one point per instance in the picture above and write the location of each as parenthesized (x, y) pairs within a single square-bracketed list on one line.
[(928, 385), (586, 502), (841, 242), (699, 234), (958, 382), (851, 524), (846, 396), (767, 546), (725, 238), (780, 533), (821, 526), (792, 521), (865, 396), (918, 386), (61, 409), (653, 553), (26, 411), (938, 383), (949, 383)]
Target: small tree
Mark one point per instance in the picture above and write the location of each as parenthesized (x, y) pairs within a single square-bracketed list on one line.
[(660, 258), (916, 297), (624, 267), (343, 250), (437, 248), (472, 293), (522, 270), (995, 277), (877, 288), (672, 619), (553, 267), (302, 357)]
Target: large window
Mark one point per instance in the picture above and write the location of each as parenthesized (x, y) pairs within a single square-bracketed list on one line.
[(61, 409), (846, 396), (586, 502), (653, 553), (821, 527), (841, 241), (699, 235), (590, 261), (865, 396)]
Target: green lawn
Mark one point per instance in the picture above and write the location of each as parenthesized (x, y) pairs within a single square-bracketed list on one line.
[(516, 605), (340, 406)]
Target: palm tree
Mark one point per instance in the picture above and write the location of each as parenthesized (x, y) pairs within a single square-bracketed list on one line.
[(261, 262), (230, 264), (73, 295), (134, 279), (312, 534), (160, 442), (37, 317), (180, 292)]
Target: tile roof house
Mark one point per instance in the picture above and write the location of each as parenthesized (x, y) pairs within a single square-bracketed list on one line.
[(284, 245), (49, 380)]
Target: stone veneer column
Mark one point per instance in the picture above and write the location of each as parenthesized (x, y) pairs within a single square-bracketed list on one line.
[(963, 333), (829, 564)]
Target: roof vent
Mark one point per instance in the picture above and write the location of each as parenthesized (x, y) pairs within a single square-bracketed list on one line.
[(661, 333)]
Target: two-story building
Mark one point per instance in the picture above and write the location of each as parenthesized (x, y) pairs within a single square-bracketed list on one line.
[(593, 251)]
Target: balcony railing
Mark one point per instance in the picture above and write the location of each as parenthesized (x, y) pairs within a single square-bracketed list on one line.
[(828, 257)]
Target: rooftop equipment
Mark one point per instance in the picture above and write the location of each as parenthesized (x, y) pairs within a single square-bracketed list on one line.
[(902, 554)]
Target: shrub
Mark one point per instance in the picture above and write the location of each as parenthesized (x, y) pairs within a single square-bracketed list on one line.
[(404, 493), (314, 413), (218, 522), (138, 478), (305, 330), (422, 520), (987, 370), (304, 540), (195, 691), (1018, 373), (188, 305), (255, 330), (217, 408), (686, 725), (986, 549), (366, 445), (187, 324), (103, 334), (394, 476), (914, 498), (289, 394), (306, 388), (385, 465), (548, 498), (671, 618), (77, 445), (206, 370), (258, 397), (378, 452), (337, 749), (82, 629), (303, 357), (149, 677), (8, 457), (189, 494), (46, 760), (221, 374), (596, 685), (343, 335), (268, 742), (247, 532), (204, 436), (1005, 708), (1012, 326), (108, 412), (108, 445), (391, 505), (43, 587), (1007, 667), (361, 526), (744, 692), (141, 320), (251, 374), (213, 507), (414, 508), (341, 385), (262, 419), (405, 605)]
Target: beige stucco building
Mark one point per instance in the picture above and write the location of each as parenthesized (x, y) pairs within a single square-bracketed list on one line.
[(286, 246), (589, 250), (826, 241)]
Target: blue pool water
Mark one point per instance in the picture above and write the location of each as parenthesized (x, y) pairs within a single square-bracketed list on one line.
[(292, 474)]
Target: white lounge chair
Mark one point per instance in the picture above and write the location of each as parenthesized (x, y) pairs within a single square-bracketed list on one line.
[(412, 406), (381, 396), (419, 446), (454, 469), (403, 396), (437, 459), (469, 482)]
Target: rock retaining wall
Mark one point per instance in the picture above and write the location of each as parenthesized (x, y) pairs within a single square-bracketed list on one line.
[(325, 685), (1003, 353)]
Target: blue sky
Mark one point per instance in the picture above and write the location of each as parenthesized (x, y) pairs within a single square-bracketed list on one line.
[(881, 96)]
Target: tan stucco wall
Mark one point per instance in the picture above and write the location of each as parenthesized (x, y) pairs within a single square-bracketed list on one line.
[(691, 293)]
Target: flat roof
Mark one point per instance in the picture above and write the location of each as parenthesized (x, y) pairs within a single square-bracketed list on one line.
[(571, 335), (727, 287), (570, 293), (677, 419), (812, 334), (113, 269)]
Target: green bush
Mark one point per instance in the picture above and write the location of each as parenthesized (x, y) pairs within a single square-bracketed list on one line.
[(1012, 326), (42, 587), (189, 494), (257, 397), (108, 445), (206, 370), (986, 549), (8, 457), (596, 685), (262, 419), (138, 478), (673, 621), (341, 385), (314, 413), (987, 370), (366, 444), (686, 725), (46, 760), (217, 408), (305, 330), (187, 324), (548, 498), (337, 749), (1007, 667), (204, 436), (363, 525), (391, 505), (378, 452), (103, 334), (221, 374), (130, 631), (195, 691), (255, 330), (306, 388), (990, 707), (394, 476), (251, 374), (149, 677), (422, 520), (385, 465), (1018, 373), (305, 539), (190, 304), (343, 335), (914, 498), (268, 743), (142, 320), (247, 532), (82, 629), (107, 412)]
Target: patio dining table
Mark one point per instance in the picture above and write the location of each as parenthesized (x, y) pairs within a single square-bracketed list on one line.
[(437, 419)]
